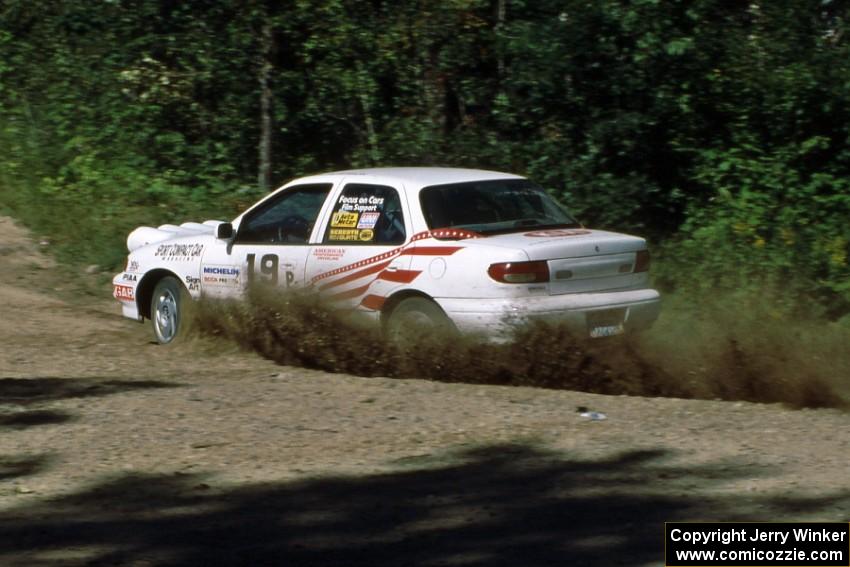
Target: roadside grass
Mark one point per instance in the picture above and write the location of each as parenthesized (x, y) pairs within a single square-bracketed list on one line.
[(89, 227), (718, 352), (742, 346)]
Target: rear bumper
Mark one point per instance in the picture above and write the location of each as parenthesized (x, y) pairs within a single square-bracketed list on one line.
[(501, 317)]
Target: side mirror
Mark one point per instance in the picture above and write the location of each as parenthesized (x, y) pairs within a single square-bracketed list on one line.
[(224, 231)]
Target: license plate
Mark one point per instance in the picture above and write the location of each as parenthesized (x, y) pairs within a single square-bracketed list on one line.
[(606, 331), (606, 323)]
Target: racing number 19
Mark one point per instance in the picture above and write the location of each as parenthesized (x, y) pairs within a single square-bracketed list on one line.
[(268, 267), (269, 264)]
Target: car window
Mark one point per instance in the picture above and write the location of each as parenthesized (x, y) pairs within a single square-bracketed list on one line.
[(366, 214), (287, 219), (490, 207)]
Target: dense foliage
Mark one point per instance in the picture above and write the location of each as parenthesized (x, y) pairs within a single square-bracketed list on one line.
[(719, 128)]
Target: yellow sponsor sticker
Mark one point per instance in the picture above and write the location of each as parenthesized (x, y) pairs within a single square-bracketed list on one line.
[(367, 234), (344, 234), (344, 219)]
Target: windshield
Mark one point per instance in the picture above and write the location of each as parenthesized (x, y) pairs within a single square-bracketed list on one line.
[(490, 207)]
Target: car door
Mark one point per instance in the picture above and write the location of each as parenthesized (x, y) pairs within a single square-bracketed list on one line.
[(360, 257), (271, 244)]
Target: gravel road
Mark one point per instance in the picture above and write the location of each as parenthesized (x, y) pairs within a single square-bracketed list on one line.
[(116, 451)]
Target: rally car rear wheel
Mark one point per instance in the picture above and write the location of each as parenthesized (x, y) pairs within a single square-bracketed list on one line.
[(168, 306), (416, 318)]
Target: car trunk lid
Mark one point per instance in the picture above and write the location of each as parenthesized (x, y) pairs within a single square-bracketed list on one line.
[(579, 260)]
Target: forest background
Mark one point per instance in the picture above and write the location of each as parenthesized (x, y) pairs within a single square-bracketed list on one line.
[(720, 130)]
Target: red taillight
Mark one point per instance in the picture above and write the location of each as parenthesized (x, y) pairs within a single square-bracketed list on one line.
[(519, 272), (642, 261)]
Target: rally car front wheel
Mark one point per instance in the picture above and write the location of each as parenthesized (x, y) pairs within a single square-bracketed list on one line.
[(168, 310)]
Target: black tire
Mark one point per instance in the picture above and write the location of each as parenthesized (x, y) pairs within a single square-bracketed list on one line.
[(417, 318), (169, 305)]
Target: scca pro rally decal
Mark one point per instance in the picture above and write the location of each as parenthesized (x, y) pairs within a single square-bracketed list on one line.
[(557, 232), (358, 278), (123, 293), (179, 251)]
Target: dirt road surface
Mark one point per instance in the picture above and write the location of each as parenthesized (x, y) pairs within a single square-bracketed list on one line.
[(115, 451)]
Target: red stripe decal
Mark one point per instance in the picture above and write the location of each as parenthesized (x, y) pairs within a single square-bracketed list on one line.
[(356, 275), (409, 249), (430, 251), (350, 293), (399, 276), (374, 302)]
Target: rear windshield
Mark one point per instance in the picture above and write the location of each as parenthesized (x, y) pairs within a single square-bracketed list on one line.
[(490, 207)]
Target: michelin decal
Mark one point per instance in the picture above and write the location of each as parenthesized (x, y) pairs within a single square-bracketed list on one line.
[(225, 276)]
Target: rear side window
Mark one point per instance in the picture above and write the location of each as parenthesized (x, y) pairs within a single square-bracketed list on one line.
[(366, 214), (491, 207), (287, 219)]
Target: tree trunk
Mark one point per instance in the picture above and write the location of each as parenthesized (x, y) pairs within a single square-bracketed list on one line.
[(264, 177), (500, 24), (366, 107)]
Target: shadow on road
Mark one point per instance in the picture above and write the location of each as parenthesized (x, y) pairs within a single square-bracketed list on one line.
[(500, 505), (22, 419), (19, 393), (27, 391), (13, 467)]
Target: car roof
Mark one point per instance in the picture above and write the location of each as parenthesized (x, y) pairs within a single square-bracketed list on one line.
[(413, 178)]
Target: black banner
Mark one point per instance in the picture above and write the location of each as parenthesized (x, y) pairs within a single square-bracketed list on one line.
[(757, 544)]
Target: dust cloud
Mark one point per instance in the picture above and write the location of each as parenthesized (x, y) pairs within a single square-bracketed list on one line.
[(688, 354)]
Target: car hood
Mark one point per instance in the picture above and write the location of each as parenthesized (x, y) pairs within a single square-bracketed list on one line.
[(145, 235), (563, 243)]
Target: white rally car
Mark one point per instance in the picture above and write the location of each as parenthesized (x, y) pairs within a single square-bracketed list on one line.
[(477, 251)]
